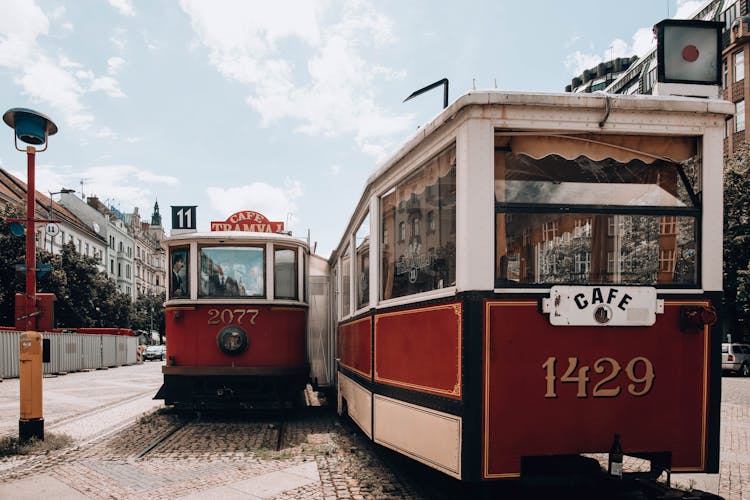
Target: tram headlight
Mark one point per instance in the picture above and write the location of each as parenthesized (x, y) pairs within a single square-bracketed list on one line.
[(232, 340)]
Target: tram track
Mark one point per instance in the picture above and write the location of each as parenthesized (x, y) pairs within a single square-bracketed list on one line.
[(63, 421), (164, 437)]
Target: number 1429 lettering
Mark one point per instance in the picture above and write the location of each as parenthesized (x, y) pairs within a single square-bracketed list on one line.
[(639, 370)]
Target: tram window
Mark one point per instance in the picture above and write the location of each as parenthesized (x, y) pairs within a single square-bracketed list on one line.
[(362, 264), (232, 272), (179, 258), (597, 209), (408, 266), (345, 282), (285, 273), (638, 253)]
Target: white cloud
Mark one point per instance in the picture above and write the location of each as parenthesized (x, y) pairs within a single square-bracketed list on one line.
[(119, 38), (579, 61), (124, 7), (686, 8), (272, 201), (57, 81), (642, 42), (329, 88), (108, 85), (124, 186), (114, 64)]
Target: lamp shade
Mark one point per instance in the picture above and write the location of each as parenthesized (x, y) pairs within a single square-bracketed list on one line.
[(689, 51), (31, 127)]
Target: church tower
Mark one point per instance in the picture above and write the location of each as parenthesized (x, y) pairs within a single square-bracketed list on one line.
[(156, 216)]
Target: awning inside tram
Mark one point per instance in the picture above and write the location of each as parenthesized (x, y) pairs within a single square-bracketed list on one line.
[(622, 148)]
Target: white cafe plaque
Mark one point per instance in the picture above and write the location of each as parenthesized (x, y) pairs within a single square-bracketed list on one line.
[(602, 305)]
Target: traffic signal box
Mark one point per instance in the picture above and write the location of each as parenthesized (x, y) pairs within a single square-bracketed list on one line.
[(44, 313), (31, 423)]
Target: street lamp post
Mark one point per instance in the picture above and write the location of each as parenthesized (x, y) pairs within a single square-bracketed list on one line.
[(32, 128)]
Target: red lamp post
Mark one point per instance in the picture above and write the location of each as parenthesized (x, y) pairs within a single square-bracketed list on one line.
[(32, 128)]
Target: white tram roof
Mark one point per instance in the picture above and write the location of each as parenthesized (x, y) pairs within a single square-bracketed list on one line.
[(235, 237), (559, 113), (638, 103)]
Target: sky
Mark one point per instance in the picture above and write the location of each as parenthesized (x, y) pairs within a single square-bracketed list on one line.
[(283, 107)]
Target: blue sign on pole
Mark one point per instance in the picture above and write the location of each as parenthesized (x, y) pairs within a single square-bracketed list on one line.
[(41, 269)]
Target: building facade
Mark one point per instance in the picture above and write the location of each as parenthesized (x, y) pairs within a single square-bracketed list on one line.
[(72, 229), (150, 256), (118, 255), (640, 76)]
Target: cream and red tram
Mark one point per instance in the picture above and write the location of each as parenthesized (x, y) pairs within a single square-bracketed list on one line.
[(236, 316), (532, 274)]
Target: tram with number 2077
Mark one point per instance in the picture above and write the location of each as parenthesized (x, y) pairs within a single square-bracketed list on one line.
[(237, 316), (533, 274)]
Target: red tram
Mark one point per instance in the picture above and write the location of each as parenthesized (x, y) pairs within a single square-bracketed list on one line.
[(532, 274), (236, 316)]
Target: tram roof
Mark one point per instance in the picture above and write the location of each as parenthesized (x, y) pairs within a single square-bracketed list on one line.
[(237, 236), (597, 100), (558, 102)]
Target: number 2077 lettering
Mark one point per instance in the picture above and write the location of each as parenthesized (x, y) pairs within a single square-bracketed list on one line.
[(607, 387), (228, 316)]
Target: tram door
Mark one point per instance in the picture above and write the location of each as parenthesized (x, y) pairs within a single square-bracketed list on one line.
[(321, 341)]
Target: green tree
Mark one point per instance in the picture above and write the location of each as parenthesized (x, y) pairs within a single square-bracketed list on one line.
[(86, 297), (11, 253), (737, 242), (148, 313)]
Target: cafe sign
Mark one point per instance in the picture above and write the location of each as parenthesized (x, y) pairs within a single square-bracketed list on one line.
[(602, 306), (248, 220)]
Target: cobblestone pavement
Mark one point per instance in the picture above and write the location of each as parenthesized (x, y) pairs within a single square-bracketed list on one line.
[(222, 457)]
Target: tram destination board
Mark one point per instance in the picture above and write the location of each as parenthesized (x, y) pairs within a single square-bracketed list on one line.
[(183, 217)]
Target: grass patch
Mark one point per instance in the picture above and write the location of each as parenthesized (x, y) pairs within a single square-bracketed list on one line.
[(10, 446)]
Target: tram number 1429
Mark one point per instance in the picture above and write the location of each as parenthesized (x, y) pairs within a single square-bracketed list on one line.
[(228, 316), (607, 387)]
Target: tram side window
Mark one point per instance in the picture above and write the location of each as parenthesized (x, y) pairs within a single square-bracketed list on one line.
[(422, 258), (232, 272), (285, 273), (597, 209), (362, 264), (346, 282), (179, 284)]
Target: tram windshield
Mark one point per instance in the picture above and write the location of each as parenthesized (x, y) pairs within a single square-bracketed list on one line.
[(597, 209), (232, 272)]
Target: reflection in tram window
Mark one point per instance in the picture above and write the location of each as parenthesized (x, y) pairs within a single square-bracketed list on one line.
[(423, 258), (285, 273), (232, 272), (362, 264), (596, 209), (637, 254), (346, 275), (179, 277)]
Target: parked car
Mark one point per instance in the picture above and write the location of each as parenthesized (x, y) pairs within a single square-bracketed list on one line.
[(735, 358), (154, 352)]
